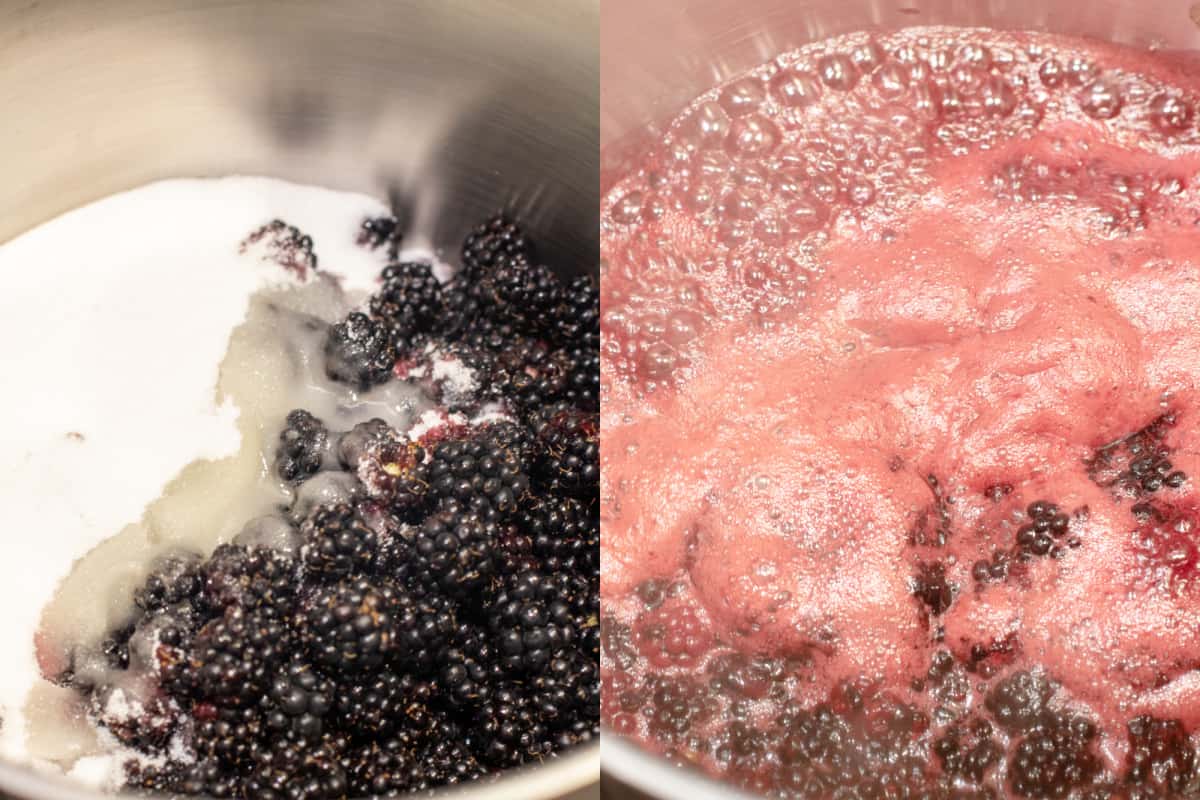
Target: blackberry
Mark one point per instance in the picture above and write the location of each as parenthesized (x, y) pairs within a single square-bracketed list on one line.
[(452, 553), (528, 376), (478, 468), (583, 378), (1019, 701), (578, 317), (337, 542), (1161, 762), (252, 578), (675, 705), (497, 239), (469, 668), (510, 728), (931, 587), (298, 770), (1054, 758), (303, 443), (570, 462), (1040, 536), (968, 751), (174, 579), (424, 627), (231, 738), (377, 231), (410, 302), (382, 769), (446, 761), (535, 616), (524, 294), (352, 626), (567, 692), (389, 466), (564, 533), (233, 657), (1138, 464), (298, 700), (383, 704), (359, 352)]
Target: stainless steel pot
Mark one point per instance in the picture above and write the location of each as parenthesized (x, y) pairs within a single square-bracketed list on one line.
[(658, 56), (455, 108)]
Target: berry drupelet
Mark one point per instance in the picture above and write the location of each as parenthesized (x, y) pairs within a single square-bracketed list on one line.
[(337, 542), (359, 352)]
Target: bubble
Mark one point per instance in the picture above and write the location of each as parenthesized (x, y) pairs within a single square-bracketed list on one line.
[(659, 361), (653, 208), (1101, 99), (1170, 113), (738, 204), (753, 136), (711, 124), (742, 97), (867, 56), (770, 227), (968, 78), (698, 197), (713, 166), (679, 154), (824, 188), (997, 97), (795, 89), (976, 55), (805, 216), (939, 60), (683, 326), (628, 209), (861, 192), (1052, 73), (926, 100), (1081, 72), (891, 80), (733, 233), (950, 101), (838, 72)]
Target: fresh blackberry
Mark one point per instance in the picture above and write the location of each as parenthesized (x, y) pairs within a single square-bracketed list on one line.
[(452, 553), (232, 738), (390, 467), (525, 294), (424, 627), (337, 542), (359, 352), (468, 671), (1054, 758), (494, 240), (478, 467), (570, 461), (583, 378), (376, 231), (578, 317), (175, 578), (528, 375), (508, 729), (352, 626), (534, 617), (1161, 762), (446, 761), (564, 533), (410, 302), (567, 692), (298, 700), (303, 443), (383, 704), (252, 578), (295, 769), (233, 658), (1019, 701), (382, 768)]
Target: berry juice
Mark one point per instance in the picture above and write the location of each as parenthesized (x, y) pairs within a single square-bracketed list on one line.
[(901, 340)]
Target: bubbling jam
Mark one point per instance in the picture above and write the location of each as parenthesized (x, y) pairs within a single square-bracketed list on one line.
[(900, 423)]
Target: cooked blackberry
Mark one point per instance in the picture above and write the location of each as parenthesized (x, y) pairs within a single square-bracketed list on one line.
[(384, 703), (174, 579), (298, 770), (1018, 701), (534, 617), (233, 657), (359, 352), (932, 588), (478, 467), (337, 541), (968, 751), (1040, 536), (298, 700), (302, 446), (452, 553), (564, 533), (495, 240), (1161, 762), (508, 729), (410, 301), (570, 461), (676, 703), (253, 578), (1138, 464), (1054, 758), (352, 626)]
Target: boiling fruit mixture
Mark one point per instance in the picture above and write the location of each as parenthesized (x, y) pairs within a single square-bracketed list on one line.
[(900, 427)]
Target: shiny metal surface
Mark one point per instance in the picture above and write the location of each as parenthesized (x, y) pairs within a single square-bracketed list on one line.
[(658, 56), (453, 107)]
